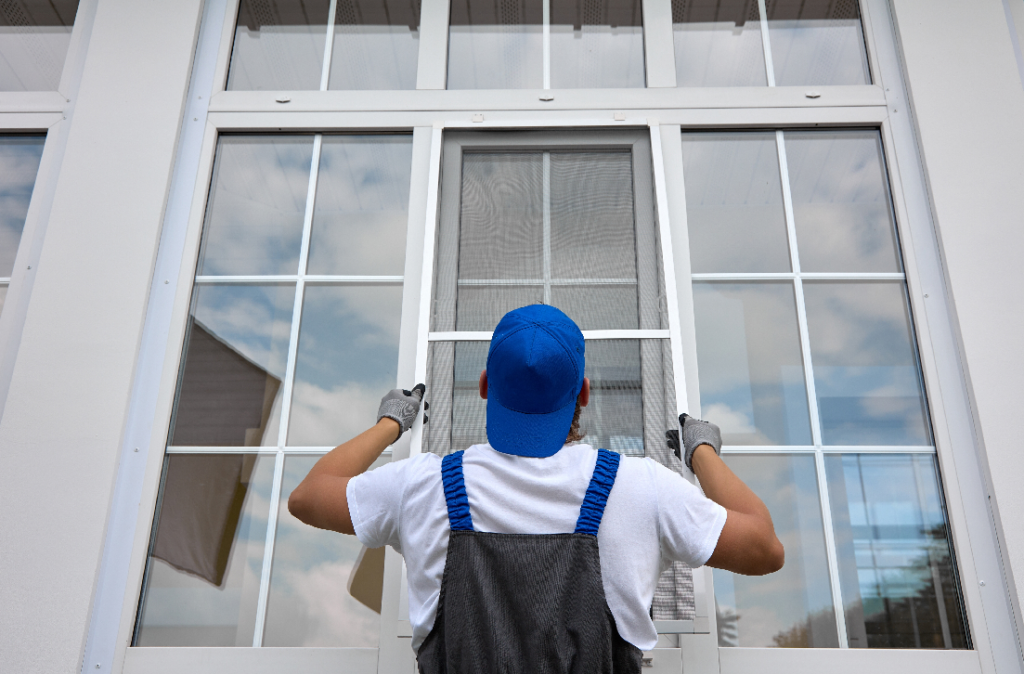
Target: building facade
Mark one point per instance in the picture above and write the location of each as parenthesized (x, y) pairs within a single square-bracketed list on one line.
[(796, 219)]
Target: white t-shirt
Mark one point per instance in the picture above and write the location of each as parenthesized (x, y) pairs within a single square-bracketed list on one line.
[(653, 517)]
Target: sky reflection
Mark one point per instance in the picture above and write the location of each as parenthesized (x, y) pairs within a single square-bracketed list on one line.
[(750, 363), (19, 163), (362, 203), (257, 202), (309, 603), (866, 373), (791, 608), (347, 359)]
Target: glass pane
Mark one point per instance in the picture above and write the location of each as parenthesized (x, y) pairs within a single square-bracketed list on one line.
[(481, 307), (362, 206), (749, 363), (19, 163), (257, 202), (734, 209), (841, 202), (593, 234), (598, 307), (496, 45), (279, 44), (203, 579), (791, 608), (309, 602), (376, 44), (866, 371), (34, 39), (817, 42), (718, 44), (596, 44), (896, 565), (347, 359), (234, 362), (501, 225)]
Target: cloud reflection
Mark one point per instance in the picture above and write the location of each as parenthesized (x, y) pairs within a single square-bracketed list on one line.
[(866, 371), (361, 211), (841, 202), (348, 356), (773, 604), (256, 207), (309, 603), (750, 363)]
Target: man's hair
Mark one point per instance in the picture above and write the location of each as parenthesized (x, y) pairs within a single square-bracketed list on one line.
[(575, 434)]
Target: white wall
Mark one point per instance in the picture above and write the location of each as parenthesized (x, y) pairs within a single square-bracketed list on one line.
[(62, 426), (969, 108)]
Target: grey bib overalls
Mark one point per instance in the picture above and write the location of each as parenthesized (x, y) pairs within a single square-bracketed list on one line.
[(525, 603)]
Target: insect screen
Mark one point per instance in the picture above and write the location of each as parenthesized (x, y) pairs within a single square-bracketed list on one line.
[(574, 229)]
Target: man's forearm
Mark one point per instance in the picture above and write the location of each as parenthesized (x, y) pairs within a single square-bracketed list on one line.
[(748, 543), (355, 456), (320, 499), (722, 486)]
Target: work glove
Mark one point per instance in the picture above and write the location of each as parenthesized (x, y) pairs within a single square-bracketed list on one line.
[(402, 406), (696, 433)]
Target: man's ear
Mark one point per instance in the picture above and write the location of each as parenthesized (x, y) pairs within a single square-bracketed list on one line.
[(483, 385), (584, 396)]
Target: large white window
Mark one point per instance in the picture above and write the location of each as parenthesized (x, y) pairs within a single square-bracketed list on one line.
[(732, 240)]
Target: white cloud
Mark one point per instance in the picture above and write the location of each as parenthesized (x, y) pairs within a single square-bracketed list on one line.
[(322, 417), (334, 618), (728, 419)]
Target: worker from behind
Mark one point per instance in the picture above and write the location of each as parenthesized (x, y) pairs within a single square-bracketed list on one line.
[(531, 554)]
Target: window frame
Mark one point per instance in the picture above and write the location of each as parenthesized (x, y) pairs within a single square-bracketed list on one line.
[(663, 111)]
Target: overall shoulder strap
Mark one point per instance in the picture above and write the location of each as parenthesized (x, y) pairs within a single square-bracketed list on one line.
[(601, 483), (459, 518)]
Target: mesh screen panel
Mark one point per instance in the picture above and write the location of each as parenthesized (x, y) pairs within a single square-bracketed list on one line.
[(591, 211), (556, 227), (559, 227)]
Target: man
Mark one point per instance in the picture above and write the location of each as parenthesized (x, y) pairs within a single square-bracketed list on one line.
[(528, 554)]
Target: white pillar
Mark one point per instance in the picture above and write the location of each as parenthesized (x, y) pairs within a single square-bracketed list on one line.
[(65, 413)]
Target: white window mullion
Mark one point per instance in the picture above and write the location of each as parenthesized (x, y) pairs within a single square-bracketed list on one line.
[(812, 397), (769, 67), (300, 287), (286, 394), (325, 73), (268, 550)]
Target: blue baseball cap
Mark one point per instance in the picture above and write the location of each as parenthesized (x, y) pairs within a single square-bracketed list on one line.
[(534, 375)]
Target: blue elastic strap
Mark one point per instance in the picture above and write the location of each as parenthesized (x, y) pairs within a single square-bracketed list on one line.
[(455, 493), (597, 493)]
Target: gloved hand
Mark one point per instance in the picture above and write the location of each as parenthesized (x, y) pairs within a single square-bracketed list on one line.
[(402, 406), (696, 433)]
